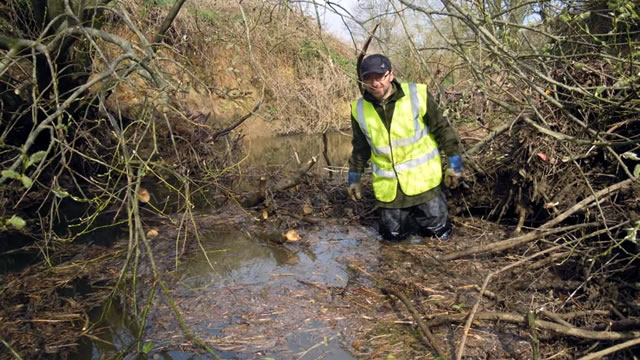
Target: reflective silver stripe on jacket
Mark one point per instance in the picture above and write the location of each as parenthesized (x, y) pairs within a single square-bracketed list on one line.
[(418, 133), (404, 166)]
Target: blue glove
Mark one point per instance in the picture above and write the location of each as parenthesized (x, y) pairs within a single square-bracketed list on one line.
[(354, 177), (455, 162), (453, 174)]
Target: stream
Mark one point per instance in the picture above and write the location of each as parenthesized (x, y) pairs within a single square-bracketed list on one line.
[(252, 298)]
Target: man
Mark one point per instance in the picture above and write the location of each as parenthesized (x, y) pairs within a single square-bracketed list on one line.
[(399, 128)]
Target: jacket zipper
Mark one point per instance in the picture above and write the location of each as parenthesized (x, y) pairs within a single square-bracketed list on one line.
[(384, 111)]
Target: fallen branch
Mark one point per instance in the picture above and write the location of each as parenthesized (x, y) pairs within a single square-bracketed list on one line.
[(540, 324), (166, 23), (497, 131), (573, 139), (467, 325), (611, 350), (297, 178), (428, 338), (363, 52), (556, 318), (227, 130), (512, 242), (599, 196), (259, 196), (545, 228), (550, 259)]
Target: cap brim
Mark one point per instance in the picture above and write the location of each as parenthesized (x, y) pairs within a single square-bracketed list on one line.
[(373, 72)]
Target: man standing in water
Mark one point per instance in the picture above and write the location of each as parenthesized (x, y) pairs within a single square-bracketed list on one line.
[(399, 127)]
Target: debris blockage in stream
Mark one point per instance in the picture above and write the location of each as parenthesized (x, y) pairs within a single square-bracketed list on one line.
[(334, 291)]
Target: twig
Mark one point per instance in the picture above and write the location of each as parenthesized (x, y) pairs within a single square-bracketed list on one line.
[(467, 326), (556, 318), (490, 294), (430, 339), (612, 349), (13, 352), (540, 324), (535, 343), (512, 242)]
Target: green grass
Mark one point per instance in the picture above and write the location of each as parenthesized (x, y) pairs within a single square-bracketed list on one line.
[(159, 2), (311, 51), (210, 17)]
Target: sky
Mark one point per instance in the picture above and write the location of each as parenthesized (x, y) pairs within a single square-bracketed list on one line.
[(333, 22)]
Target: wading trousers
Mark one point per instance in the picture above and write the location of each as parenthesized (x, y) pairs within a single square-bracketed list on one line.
[(428, 219)]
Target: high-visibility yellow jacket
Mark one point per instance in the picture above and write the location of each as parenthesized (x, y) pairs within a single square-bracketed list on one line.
[(407, 155)]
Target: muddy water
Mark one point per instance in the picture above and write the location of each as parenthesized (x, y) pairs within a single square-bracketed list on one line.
[(252, 298)]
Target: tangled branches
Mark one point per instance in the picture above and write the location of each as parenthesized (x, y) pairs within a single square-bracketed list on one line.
[(90, 112)]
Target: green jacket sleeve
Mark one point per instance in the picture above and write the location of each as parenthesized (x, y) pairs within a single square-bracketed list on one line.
[(361, 150), (441, 129)]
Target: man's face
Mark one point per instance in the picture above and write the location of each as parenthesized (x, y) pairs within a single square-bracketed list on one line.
[(378, 85)]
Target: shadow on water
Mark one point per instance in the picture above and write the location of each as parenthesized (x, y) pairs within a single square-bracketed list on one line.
[(18, 251)]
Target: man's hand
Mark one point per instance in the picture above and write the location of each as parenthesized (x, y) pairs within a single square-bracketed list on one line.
[(354, 190), (453, 174), (452, 179)]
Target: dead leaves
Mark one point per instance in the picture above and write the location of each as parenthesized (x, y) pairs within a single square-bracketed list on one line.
[(291, 236), (144, 196)]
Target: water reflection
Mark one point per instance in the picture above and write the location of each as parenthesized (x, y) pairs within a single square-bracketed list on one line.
[(234, 257), (282, 150)]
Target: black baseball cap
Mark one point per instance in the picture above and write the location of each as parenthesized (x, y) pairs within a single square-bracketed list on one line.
[(376, 63)]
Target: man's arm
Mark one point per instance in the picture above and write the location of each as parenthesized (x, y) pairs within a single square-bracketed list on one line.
[(447, 140), (439, 126), (361, 150)]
